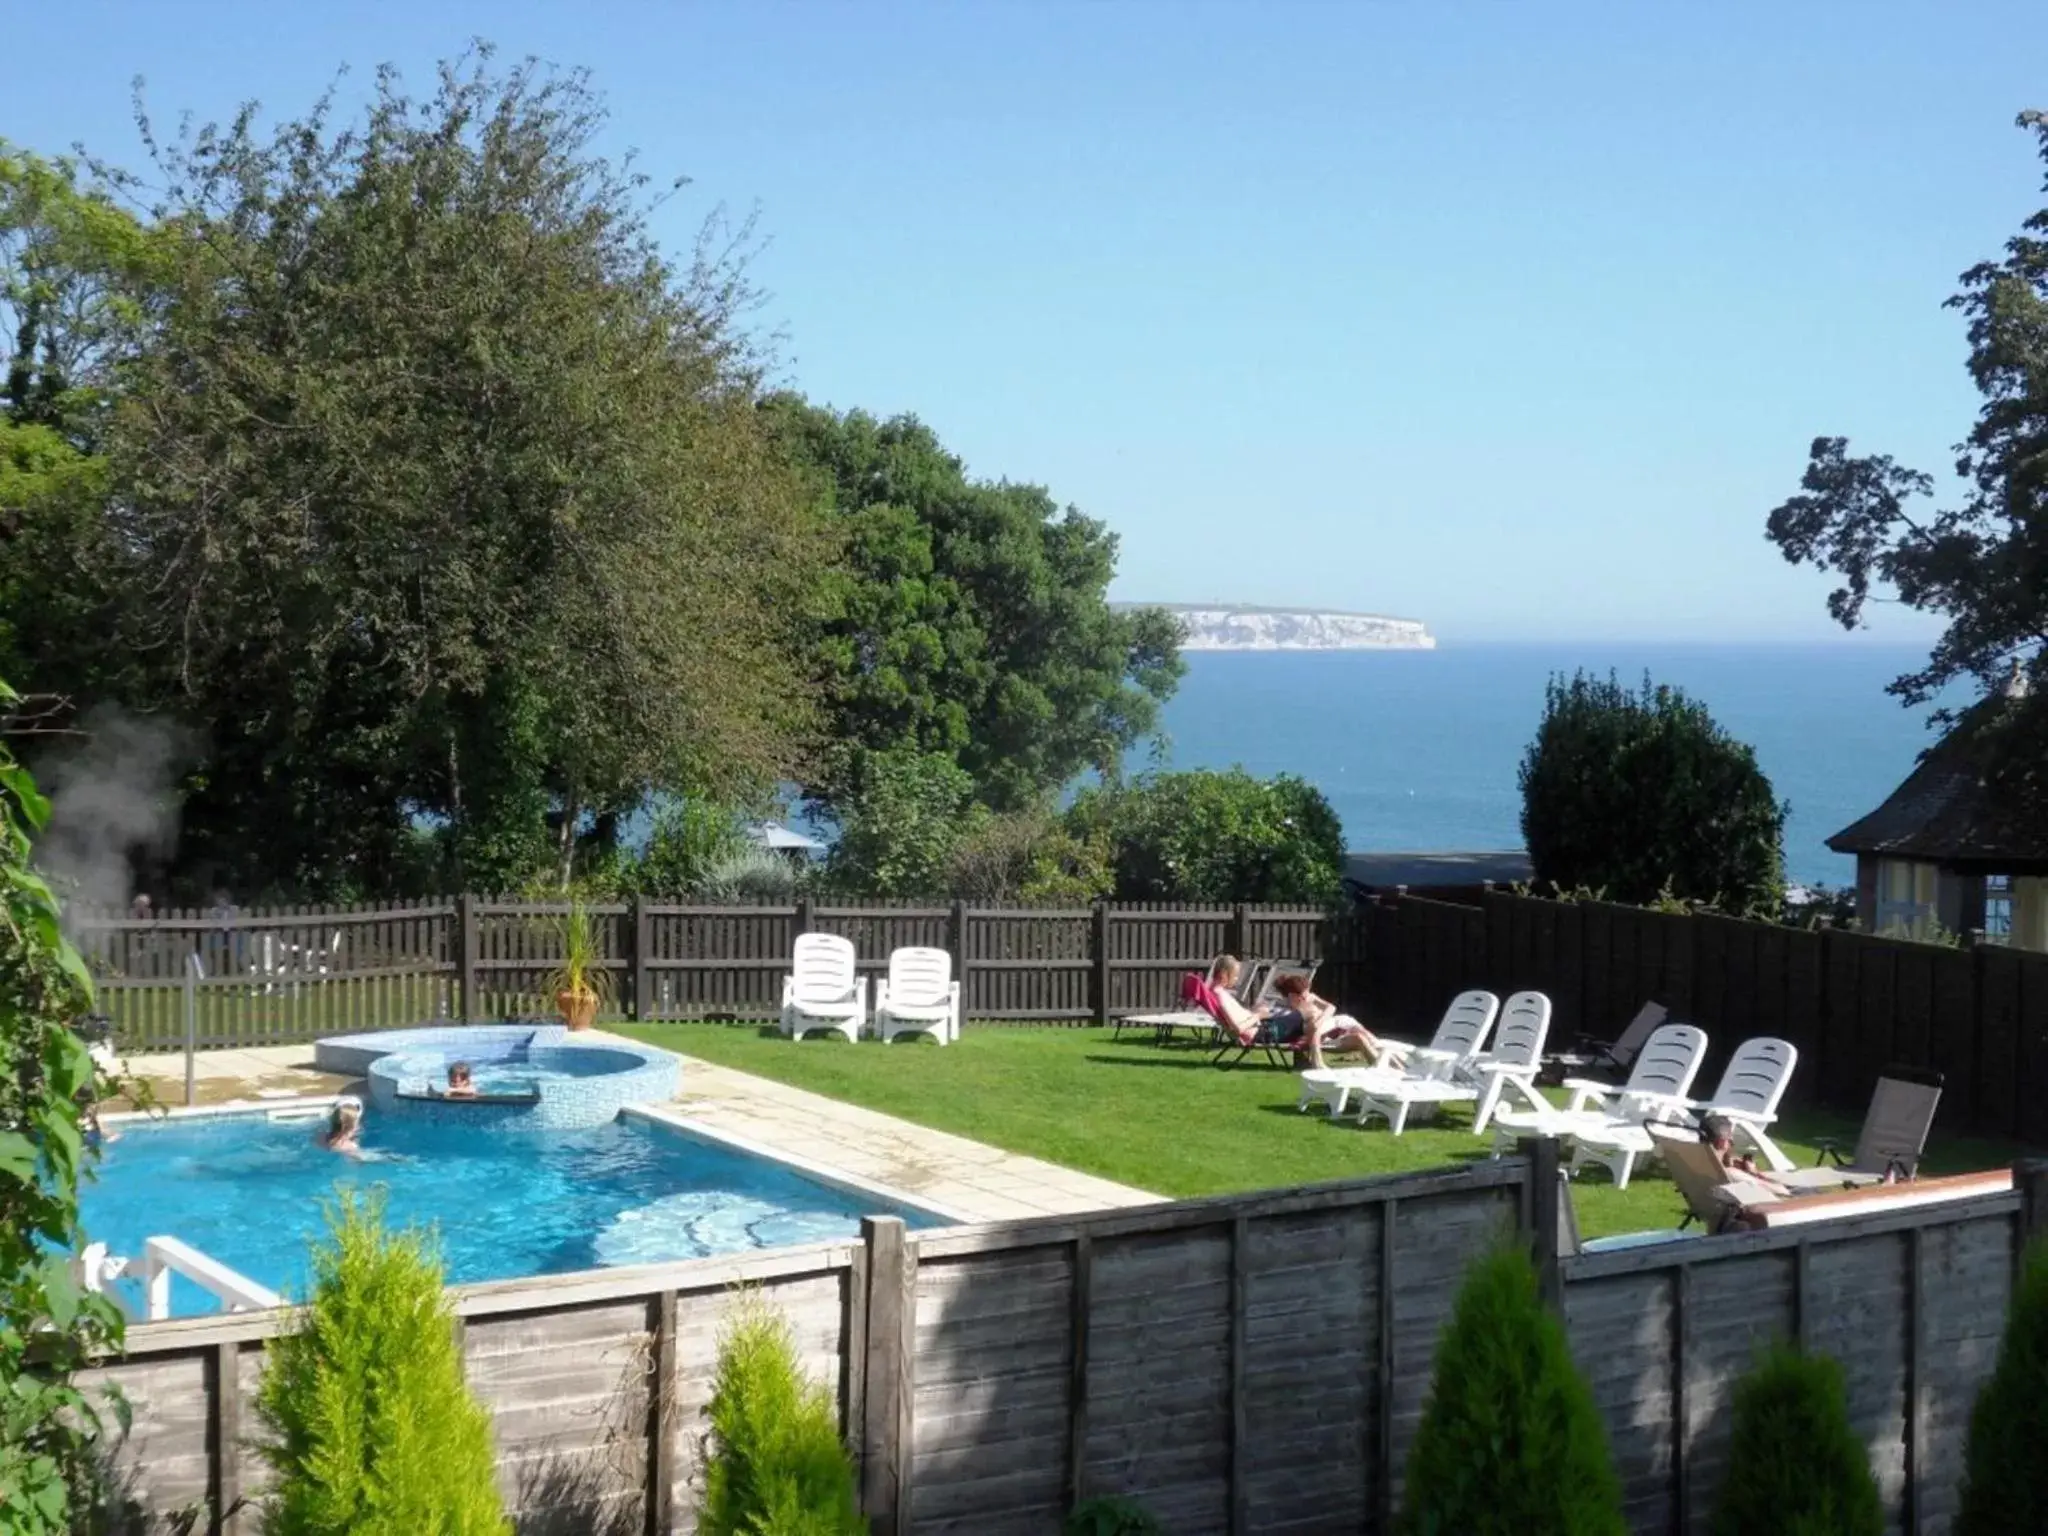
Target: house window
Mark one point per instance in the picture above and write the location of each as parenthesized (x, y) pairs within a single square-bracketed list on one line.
[(1997, 909), (1905, 895)]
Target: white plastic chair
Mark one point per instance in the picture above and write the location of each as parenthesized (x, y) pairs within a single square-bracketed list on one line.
[(1755, 1080), (918, 996), (1460, 1035), (1481, 1079), (823, 990), (1655, 1091)]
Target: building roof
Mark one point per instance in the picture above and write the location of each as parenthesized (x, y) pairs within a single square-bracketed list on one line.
[(1422, 871), (1950, 810), (767, 834)]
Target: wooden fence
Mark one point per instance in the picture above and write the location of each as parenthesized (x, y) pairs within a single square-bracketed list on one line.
[(1852, 1004), (1248, 1364), (274, 976)]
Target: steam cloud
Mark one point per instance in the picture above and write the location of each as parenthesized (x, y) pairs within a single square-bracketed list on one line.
[(112, 800)]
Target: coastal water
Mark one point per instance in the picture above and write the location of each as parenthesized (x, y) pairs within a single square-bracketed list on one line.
[(1418, 750)]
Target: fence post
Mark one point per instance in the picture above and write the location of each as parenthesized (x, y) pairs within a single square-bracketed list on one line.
[(1101, 957), (956, 940), (468, 944), (887, 1385), (1545, 1212), (2030, 1179), (803, 916), (643, 979), (1240, 943)]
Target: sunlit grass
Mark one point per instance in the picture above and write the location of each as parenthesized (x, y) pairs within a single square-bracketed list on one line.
[(1163, 1119)]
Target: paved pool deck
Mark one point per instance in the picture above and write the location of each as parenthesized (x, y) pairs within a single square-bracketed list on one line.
[(976, 1181)]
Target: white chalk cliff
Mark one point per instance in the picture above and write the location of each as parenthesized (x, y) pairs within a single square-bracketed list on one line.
[(1222, 628)]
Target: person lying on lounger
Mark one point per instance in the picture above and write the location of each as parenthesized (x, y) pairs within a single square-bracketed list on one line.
[(1319, 1023), (1717, 1133)]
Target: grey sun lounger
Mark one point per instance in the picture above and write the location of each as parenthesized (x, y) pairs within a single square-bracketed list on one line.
[(1894, 1135), (1610, 1057)]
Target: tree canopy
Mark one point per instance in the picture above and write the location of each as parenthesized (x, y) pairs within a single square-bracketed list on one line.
[(1978, 561), (1210, 836), (1637, 796), (969, 619)]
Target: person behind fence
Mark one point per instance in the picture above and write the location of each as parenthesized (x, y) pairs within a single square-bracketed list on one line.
[(1717, 1133), (461, 1084)]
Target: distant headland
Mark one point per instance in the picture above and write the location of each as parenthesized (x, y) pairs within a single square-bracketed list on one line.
[(1247, 627)]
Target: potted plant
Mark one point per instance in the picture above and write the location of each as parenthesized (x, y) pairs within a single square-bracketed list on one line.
[(580, 981)]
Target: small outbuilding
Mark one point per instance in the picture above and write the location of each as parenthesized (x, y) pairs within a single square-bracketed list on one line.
[(1948, 851)]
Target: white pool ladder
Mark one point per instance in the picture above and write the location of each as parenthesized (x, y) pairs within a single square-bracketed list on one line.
[(161, 1258)]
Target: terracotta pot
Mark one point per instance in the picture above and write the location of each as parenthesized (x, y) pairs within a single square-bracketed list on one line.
[(577, 1008)]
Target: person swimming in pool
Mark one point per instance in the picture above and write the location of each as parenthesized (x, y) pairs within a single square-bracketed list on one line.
[(344, 1129), (461, 1085)]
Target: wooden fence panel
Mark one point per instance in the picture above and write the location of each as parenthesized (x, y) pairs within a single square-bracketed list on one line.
[(1952, 1016), (1998, 1040), (1025, 965), (717, 962), (2032, 1119), (1153, 946)]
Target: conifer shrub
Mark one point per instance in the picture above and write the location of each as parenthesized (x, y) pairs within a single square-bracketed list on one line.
[(1511, 1443), (778, 1466), (2005, 1476), (1795, 1466), (370, 1424)]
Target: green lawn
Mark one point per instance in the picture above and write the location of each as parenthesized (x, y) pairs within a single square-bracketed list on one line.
[(1164, 1119)]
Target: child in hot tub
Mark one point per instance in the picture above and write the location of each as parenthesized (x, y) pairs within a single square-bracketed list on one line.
[(461, 1085)]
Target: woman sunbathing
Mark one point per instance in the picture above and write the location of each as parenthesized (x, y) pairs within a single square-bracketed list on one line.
[(1321, 1023)]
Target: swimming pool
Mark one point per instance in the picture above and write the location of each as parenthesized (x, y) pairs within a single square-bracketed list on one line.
[(246, 1190)]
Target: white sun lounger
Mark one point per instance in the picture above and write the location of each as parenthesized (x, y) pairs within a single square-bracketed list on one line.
[(1656, 1090), (1511, 1065), (823, 991), (1752, 1085), (1459, 1036), (919, 996)]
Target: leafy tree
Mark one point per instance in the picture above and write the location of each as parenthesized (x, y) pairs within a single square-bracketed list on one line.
[(968, 619), (48, 1328), (1511, 1442), (373, 1430), (690, 838), (1208, 836), (1978, 561), (2005, 1483), (1795, 1466), (1026, 856), (899, 823), (1641, 796), (777, 1466), (435, 489)]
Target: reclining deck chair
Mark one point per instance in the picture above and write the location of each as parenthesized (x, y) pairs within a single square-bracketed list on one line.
[(918, 996), (1479, 1080), (1193, 1015), (1460, 1035), (1656, 1090), (1715, 1196), (1606, 1058), (823, 990), (1232, 1048), (1894, 1135), (1747, 1098)]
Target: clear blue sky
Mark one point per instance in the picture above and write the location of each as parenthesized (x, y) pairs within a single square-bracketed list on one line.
[(1516, 318)]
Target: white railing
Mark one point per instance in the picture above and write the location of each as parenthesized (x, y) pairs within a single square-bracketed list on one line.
[(161, 1258)]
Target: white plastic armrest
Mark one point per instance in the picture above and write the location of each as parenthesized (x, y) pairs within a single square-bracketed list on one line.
[(1389, 1043), (1739, 1116), (1502, 1068), (1584, 1089), (1426, 1053), (788, 990), (881, 997), (1665, 1104), (953, 996)]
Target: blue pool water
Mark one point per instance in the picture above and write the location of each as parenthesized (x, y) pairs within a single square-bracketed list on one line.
[(506, 1202)]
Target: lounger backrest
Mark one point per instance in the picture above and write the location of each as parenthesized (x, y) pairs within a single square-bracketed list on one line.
[(823, 966), (1757, 1076), (1524, 1026), (919, 977), (1629, 1044), (1466, 1024), (1669, 1061), (1697, 1173), (1255, 981), (1895, 1130), (1269, 989)]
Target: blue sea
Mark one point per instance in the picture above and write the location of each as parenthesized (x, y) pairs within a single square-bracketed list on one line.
[(1418, 750)]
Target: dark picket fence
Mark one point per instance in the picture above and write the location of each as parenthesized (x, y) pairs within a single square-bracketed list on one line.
[(273, 976)]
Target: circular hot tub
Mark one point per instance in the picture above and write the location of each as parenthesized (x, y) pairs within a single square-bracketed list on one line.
[(534, 1076)]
